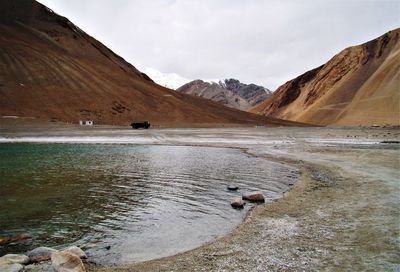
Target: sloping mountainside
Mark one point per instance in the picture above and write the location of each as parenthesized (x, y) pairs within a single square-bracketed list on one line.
[(51, 69), (230, 92), (358, 86)]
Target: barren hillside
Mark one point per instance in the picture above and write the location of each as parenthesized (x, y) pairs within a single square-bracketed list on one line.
[(51, 69), (229, 92), (358, 86)]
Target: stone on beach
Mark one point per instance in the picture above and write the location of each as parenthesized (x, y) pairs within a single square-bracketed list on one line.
[(75, 250), (14, 259), (232, 187), (41, 254), (66, 262), (253, 196), (237, 203), (15, 267)]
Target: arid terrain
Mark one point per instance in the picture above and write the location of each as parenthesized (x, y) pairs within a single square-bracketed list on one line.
[(358, 86), (333, 132), (229, 92), (51, 69)]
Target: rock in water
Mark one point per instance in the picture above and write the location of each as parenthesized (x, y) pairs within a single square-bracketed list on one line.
[(40, 254), (14, 259), (253, 196), (237, 203), (8, 240), (11, 267), (66, 262), (232, 188), (75, 250)]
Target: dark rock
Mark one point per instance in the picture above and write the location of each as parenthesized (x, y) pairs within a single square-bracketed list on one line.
[(40, 254), (253, 196), (237, 203), (232, 188)]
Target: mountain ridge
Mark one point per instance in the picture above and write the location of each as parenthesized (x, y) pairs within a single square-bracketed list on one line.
[(358, 86), (51, 69), (228, 92)]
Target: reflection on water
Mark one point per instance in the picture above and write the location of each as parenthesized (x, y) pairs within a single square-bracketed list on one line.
[(143, 201)]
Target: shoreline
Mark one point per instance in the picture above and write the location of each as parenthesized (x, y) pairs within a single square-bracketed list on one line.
[(342, 213), (156, 264), (293, 232)]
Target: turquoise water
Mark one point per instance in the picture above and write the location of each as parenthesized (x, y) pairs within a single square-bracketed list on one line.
[(142, 201)]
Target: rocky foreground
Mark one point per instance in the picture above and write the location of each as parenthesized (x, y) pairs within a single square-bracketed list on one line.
[(45, 259)]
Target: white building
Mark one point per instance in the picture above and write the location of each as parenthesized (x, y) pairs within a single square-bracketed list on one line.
[(86, 122)]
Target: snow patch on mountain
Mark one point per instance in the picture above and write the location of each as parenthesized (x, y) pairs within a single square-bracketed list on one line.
[(169, 80)]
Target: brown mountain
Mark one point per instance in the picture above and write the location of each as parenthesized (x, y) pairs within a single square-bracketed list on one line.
[(51, 69), (358, 86), (229, 92)]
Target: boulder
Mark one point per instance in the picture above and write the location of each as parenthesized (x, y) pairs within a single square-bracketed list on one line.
[(253, 197), (14, 259), (237, 203), (15, 267), (232, 187), (40, 254), (66, 262), (75, 250)]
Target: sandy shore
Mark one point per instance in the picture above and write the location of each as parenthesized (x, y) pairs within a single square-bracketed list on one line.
[(343, 214)]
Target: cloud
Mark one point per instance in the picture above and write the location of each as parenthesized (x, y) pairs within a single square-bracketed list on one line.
[(263, 42)]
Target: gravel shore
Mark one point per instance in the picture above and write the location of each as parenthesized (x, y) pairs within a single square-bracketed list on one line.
[(343, 214)]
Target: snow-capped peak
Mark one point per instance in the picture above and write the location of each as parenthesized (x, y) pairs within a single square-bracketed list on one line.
[(169, 80)]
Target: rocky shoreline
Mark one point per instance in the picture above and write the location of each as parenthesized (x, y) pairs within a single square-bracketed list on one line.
[(45, 259), (338, 216), (342, 214), (73, 258)]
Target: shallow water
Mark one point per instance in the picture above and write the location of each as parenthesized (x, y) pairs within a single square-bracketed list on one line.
[(144, 201)]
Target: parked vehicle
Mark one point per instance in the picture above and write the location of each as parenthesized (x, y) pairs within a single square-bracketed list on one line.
[(140, 124)]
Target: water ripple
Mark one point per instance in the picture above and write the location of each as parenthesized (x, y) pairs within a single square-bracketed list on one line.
[(143, 201)]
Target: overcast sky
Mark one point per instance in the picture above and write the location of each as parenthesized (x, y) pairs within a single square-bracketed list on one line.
[(255, 41)]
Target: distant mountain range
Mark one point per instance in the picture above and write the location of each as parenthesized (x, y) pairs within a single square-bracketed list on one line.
[(51, 69), (358, 86), (229, 92)]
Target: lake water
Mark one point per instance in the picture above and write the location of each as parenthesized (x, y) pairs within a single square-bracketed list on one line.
[(143, 201)]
